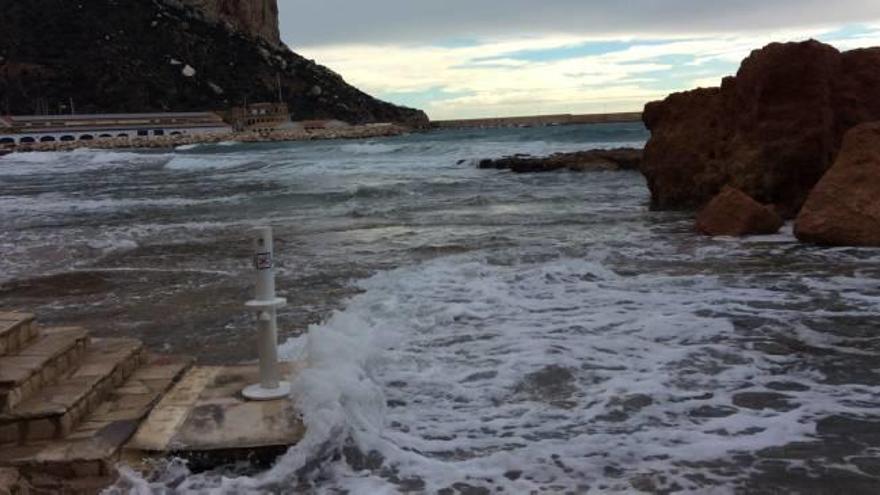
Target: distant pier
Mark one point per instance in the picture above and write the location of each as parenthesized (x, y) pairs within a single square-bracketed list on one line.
[(539, 120)]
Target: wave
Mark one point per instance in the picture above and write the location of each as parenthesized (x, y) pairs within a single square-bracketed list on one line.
[(521, 377), (73, 162), (371, 148), (207, 162)]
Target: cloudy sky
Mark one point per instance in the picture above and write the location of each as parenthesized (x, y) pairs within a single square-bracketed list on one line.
[(478, 58)]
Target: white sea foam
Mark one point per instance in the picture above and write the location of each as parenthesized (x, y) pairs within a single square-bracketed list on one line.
[(73, 162), (370, 148), (630, 365), (206, 162)]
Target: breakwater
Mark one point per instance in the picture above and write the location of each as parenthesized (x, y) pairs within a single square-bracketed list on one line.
[(539, 120), (166, 142)]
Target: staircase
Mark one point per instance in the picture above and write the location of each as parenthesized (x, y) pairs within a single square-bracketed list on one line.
[(69, 402)]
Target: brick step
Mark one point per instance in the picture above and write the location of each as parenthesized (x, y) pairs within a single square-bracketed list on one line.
[(52, 354), (55, 410), (17, 330), (92, 449)]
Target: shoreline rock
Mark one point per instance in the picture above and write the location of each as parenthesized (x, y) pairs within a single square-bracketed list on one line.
[(579, 161), (772, 131), (734, 213), (844, 208)]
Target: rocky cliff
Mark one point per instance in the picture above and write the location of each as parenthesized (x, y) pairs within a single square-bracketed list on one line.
[(257, 18), (772, 131), (161, 55)]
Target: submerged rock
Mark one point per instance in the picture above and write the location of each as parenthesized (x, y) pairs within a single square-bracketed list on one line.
[(772, 131), (764, 400), (552, 384), (734, 213), (844, 208), (579, 161)]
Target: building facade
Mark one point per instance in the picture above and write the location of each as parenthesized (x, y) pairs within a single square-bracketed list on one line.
[(29, 129), (260, 117)]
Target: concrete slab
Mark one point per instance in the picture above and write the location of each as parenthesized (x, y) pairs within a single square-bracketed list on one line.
[(206, 414)]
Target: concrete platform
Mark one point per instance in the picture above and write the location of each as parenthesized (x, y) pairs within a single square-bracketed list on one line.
[(205, 419)]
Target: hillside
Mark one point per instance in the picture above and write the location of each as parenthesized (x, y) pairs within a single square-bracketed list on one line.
[(161, 55)]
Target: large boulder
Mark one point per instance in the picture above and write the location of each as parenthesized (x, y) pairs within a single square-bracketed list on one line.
[(772, 131), (734, 213), (844, 208)]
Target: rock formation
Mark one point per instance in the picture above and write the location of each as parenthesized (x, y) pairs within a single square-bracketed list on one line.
[(844, 208), (161, 55), (772, 131), (734, 213), (580, 161), (257, 18)]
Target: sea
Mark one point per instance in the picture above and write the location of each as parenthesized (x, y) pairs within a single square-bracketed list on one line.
[(466, 331)]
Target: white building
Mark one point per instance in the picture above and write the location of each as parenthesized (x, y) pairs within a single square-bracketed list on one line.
[(53, 128)]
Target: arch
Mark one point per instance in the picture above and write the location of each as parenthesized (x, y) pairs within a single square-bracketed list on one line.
[(123, 135), (105, 136), (86, 137), (68, 138), (47, 139), (7, 140), (176, 133), (27, 139)]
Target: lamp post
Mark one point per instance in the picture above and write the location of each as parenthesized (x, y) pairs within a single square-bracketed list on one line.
[(265, 304)]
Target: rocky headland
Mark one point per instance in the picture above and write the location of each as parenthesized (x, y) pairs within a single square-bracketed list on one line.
[(108, 56), (772, 132), (257, 18), (579, 161)]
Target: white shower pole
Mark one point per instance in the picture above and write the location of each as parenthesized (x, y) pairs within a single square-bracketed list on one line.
[(265, 305)]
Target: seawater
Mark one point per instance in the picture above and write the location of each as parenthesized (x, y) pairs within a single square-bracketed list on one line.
[(475, 331)]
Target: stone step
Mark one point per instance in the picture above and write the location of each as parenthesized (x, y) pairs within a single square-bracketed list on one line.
[(16, 331), (56, 409), (92, 448), (54, 352)]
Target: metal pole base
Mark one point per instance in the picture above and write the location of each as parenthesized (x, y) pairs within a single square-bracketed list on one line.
[(257, 392)]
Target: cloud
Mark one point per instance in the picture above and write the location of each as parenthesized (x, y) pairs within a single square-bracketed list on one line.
[(414, 21), (490, 59)]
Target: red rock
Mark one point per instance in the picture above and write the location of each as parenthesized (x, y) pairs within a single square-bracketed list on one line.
[(844, 208), (772, 131), (734, 213)]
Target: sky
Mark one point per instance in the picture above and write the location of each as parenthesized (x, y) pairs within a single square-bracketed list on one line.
[(484, 58)]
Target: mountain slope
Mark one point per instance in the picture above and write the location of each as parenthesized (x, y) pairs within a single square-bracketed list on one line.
[(160, 55)]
